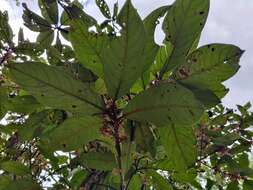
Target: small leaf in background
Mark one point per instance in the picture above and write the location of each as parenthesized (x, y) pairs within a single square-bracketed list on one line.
[(49, 10), (150, 24), (123, 56), (45, 39), (6, 33), (161, 105), (14, 167), (33, 21), (104, 8)]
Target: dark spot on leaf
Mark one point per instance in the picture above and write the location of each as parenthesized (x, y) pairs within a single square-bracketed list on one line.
[(169, 118), (79, 91), (212, 49), (208, 46), (94, 61), (174, 19), (192, 114), (42, 95), (73, 106), (201, 12), (201, 24), (168, 91), (195, 60), (64, 145)]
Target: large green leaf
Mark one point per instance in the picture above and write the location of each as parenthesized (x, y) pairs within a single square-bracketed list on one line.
[(14, 168), (209, 66), (150, 23), (179, 143), (73, 134), (98, 160), (165, 104), (183, 25), (123, 56), (87, 45), (49, 10), (55, 88)]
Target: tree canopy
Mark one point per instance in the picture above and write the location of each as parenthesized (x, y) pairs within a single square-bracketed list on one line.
[(102, 106)]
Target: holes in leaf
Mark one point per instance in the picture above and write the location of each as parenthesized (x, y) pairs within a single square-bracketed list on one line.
[(212, 49)]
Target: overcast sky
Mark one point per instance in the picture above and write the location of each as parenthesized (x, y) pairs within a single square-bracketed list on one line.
[(229, 21)]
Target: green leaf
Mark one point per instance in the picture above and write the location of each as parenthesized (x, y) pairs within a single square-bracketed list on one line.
[(87, 45), (161, 57), (33, 21), (99, 160), (23, 184), (247, 185), (22, 104), (48, 83), (102, 5), (49, 10), (45, 39), (210, 65), (34, 126), (6, 33), (179, 143), (78, 178), (4, 182), (233, 186), (73, 134), (123, 56), (183, 25), (21, 37), (160, 105), (159, 182), (150, 23), (14, 167), (205, 96)]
